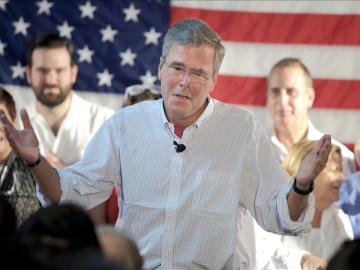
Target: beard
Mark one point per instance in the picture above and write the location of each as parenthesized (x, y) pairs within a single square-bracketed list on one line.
[(52, 100)]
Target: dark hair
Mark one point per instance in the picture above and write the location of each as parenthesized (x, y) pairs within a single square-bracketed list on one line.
[(49, 41), (7, 99), (347, 257), (54, 231)]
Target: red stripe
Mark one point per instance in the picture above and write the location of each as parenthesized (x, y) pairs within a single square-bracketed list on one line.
[(277, 27), (338, 94)]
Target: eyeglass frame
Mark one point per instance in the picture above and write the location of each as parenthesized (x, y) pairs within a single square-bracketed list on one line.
[(182, 71)]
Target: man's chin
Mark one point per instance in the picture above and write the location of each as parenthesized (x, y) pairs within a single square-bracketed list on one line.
[(51, 103)]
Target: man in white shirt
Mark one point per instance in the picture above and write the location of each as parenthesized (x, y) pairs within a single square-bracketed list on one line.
[(186, 165), (64, 123), (290, 95)]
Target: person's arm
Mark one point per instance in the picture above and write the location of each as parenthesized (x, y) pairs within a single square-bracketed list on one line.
[(25, 144), (311, 166)]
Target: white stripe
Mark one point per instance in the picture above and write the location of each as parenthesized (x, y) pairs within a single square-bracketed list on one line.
[(319, 7), (343, 125), (256, 59)]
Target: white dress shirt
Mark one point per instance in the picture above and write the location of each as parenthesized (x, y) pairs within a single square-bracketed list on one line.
[(271, 252), (79, 125), (314, 134), (182, 209)]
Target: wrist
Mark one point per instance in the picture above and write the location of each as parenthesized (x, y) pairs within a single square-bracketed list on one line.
[(35, 163), (302, 189)]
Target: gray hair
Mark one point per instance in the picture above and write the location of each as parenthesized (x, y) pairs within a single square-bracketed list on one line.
[(194, 32), (294, 62)]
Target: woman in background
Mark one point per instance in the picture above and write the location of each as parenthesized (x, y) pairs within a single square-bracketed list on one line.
[(331, 226), (17, 184)]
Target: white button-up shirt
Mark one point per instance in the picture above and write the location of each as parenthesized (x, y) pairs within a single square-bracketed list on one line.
[(79, 125), (182, 209), (314, 134)]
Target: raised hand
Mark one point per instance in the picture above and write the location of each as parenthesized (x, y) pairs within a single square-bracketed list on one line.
[(24, 142), (314, 162)]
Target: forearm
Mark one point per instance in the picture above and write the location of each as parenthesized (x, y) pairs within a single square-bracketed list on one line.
[(297, 202), (48, 180)]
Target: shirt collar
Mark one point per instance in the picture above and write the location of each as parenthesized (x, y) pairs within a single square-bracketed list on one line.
[(208, 111)]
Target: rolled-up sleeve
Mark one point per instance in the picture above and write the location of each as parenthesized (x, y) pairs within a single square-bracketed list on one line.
[(89, 182), (271, 184)]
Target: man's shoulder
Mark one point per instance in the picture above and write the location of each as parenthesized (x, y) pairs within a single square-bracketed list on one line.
[(81, 104), (232, 111), (315, 134)]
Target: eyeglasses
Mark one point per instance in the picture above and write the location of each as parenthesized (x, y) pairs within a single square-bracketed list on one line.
[(179, 71)]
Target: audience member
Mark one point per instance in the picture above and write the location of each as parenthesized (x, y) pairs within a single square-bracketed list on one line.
[(290, 96), (140, 92), (170, 203), (331, 227), (119, 247), (63, 122), (350, 195), (87, 259), (8, 233), (55, 231), (17, 183), (347, 257)]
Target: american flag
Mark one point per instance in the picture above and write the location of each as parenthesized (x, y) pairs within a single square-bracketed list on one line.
[(118, 43)]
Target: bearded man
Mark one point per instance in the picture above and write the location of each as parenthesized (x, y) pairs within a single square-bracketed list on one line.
[(63, 121)]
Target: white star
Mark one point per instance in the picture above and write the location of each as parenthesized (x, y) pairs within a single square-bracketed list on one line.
[(152, 36), (148, 79), (3, 3), (44, 7), (127, 57), (131, 13), (85, 54), (87, 10), (2, 47), (108, 34), (17, 71), (65, 30), (104, 78), (21, 26)]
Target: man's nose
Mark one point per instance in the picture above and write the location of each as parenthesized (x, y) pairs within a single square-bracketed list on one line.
[(185, 79), (51, 77), (283, 96)]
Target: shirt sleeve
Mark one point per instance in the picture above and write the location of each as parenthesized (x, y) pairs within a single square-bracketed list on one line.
[(271, 185), (90, 181)]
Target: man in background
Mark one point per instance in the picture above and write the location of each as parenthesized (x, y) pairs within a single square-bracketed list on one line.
[(290, 95), (64, 122)]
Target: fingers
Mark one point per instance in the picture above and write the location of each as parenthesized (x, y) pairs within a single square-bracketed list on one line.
[(25, 119)]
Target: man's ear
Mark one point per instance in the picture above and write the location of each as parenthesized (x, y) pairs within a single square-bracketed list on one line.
[(311, 97), (161, 63), (28, 74), (74, 73)]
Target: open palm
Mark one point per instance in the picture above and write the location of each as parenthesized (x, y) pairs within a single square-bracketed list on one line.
[(23, 142)]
